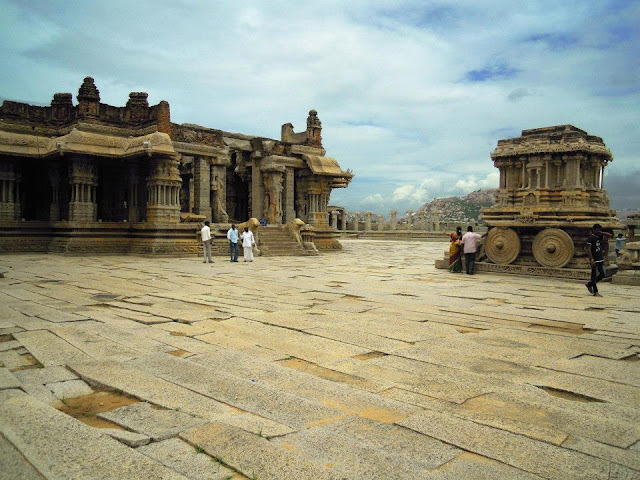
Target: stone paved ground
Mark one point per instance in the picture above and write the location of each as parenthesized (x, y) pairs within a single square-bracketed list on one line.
[(365, 364)]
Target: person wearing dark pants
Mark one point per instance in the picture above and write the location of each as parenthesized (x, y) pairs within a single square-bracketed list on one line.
[(232, 236), (595, 252), (469, 247)]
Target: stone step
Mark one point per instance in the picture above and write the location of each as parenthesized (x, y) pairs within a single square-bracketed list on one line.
[(61, 447)]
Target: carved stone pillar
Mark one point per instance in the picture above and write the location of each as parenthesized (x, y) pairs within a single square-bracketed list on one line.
[(343, 221), (54, 182), (257, 191), (83, 180), (136, 192), (289, 200), (334, 219), (9, 192), (409, 219), (163, 191), (219, 194), (202, 186), (380, 222), (436, 220), (272, 178), (393, 220), (367, 221)]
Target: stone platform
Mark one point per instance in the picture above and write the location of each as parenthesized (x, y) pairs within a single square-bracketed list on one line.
[(363, 364)]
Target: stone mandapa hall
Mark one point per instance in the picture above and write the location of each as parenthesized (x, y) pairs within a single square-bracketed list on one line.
[(97, 178)]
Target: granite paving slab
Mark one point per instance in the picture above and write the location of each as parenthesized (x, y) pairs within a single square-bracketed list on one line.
[(69, 389), (368, 450), (45, 375), (12, 359), (42, 393), (10, 345), (131, 439), (183, 458), (151, 388), (243, 393), (49, 349), (627, 457), (61, 447), (14, 465), (8, 379), (254, 456), (158, 424), (521, 452), (93, 344)]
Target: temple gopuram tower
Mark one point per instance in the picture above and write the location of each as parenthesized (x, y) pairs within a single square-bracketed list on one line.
[(551, 193)]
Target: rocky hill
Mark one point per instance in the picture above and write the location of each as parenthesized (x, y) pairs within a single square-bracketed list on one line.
[(453, 209)]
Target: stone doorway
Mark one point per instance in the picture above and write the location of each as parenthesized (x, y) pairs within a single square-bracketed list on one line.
[(238, 189), (35, 191)]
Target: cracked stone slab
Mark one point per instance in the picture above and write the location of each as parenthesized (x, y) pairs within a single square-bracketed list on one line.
[(12, 359), (49, 349), (59, 446), (151, 388), (185, 459), (45, 375), (243, 393), (521, 452), (69, 389), (14, 465), (42, 393), (10, 345), (132, 439), (254, 456), (365, 449), (158, 424), (8, 379)]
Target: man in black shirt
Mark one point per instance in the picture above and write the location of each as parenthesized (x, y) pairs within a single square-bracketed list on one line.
[(595, 252)]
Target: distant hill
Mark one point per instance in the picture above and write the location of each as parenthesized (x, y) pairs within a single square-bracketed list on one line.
[(453, 209)]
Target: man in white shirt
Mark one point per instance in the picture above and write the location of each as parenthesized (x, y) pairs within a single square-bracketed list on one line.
[(232, 236), (205, 232), (469, 242), (247, 244)]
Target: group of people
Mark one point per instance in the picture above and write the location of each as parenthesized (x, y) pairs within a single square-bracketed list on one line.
[(595, 252), (247, 238), (466, 244)]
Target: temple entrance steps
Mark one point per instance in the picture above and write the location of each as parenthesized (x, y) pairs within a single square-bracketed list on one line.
[(275, 241)]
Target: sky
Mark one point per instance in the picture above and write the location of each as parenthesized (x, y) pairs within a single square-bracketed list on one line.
[(413, 95)]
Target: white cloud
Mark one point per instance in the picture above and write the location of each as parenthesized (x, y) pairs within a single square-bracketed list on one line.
[(390, 79)]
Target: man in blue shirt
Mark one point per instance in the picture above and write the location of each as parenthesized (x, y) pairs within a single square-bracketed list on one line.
[(232, 236)]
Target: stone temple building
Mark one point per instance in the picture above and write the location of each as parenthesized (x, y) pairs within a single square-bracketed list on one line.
[(92, 177)]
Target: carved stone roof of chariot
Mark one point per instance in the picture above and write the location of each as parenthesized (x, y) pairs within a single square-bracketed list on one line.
[(85, 143), (557, 139), (326, 166)]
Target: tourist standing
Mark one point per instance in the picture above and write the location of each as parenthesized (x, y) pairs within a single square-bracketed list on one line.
[(232, 236), (248, 243), (455, 256), (205, 232), (595, 252), (469, 247), (620, 243)]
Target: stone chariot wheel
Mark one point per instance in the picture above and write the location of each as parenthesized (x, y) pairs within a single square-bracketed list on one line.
[(502, 245), (553, 247)]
